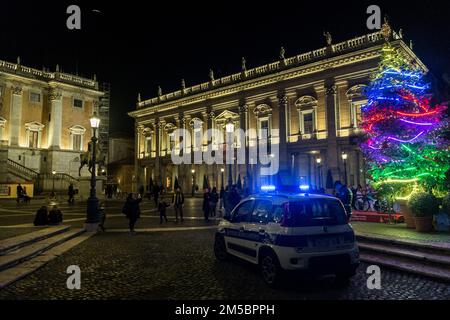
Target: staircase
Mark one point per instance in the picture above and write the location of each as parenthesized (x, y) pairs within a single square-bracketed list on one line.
[(21, 171), (422, 258), (37, 178), (22, 255)]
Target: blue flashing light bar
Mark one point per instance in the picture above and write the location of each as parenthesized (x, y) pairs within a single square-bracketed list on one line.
[(268, 188), (304, 187)]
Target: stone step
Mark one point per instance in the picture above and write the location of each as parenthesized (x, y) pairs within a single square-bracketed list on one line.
[(29, 251), (23, 240), (416, 254), (406, 265), (442, 248), (21, 270)]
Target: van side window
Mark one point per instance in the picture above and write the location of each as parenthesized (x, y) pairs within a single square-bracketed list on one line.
[(277, 215), (243, 212), (262, 211)]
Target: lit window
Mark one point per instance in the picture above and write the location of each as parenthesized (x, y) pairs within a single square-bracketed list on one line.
[(33, 139), (148, 145), (76, 141), (308, 125)]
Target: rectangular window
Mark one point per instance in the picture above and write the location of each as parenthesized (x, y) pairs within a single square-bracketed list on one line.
[(35, 97), (33, 139), (197, 139), (78, 103), (308, 125), (171, 140), (264, 126), (148, 145), (76, 142)]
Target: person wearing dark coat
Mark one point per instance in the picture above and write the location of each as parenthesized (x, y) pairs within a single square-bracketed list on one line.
[(234, 198), (55, 216), (156, 191), (178, 201), (132, 210), (71, 193), (206, 204), (41, 218), (344, 194), (213, 201), (162, 211)]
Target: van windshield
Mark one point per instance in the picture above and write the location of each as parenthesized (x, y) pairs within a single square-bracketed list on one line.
[(314, 212)]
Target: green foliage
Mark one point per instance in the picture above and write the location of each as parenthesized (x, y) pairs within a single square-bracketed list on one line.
[(423, 204)]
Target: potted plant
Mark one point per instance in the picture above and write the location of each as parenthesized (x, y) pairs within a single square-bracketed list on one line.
[(423, 206)]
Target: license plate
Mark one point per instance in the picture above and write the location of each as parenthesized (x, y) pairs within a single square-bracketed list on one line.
[(326, 242)]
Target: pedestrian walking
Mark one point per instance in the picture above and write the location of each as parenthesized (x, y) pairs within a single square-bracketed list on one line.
[(221, 198), (206, 204), (162, 211), (156, 191), (213, 201), (132, 210), (178, 201), (71, 194)]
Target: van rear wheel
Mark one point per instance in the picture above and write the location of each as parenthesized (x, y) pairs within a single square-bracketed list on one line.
[(270, 269)]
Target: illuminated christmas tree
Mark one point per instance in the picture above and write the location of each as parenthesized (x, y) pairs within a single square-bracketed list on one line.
[(404, 143)]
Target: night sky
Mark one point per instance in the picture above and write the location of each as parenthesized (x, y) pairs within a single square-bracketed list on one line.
[(137, 47)]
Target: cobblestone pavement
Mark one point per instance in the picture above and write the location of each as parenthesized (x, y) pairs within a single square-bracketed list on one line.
[(177, 265), (181, 265)]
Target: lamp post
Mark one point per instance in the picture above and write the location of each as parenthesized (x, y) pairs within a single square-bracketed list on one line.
[(193, 182), (53, 180), (93, 217), (344, 158), (319, 175), (222, 170), (229, 128)]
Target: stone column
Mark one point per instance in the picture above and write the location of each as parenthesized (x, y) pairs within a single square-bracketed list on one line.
[(158, 152), (55, 124), (332, 149), (283, 104), (16, 116)]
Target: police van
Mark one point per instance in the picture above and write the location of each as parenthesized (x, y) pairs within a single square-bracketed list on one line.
[(289, 232)]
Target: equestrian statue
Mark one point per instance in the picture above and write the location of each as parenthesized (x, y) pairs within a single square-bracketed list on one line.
[(86, 158)]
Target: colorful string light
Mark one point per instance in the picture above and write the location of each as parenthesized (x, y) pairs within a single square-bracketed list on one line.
[(398, 147)]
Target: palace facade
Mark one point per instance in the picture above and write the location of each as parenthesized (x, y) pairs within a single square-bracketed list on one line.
[(44, 122), (314, 99)]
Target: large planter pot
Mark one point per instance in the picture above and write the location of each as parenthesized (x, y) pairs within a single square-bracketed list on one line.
[(424, 224), (407, 214)]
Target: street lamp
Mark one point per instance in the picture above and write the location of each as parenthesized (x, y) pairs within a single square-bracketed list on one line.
[(229, 128), (53, 179), (319, 161), (222, 170), (92, 203), (193, 182), (344, 158)]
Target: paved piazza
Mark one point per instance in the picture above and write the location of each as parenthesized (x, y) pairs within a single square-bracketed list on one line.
[(171, 261)]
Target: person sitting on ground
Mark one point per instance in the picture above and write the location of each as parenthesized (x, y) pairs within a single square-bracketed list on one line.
[(55, 216), (41, 218)]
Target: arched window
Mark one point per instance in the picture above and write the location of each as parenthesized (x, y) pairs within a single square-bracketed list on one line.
[(356, 99), (307, 114)]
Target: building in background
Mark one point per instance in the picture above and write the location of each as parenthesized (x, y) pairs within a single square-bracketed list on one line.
[(44, 124), (314, 99), (103, 114), (121, 163)]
